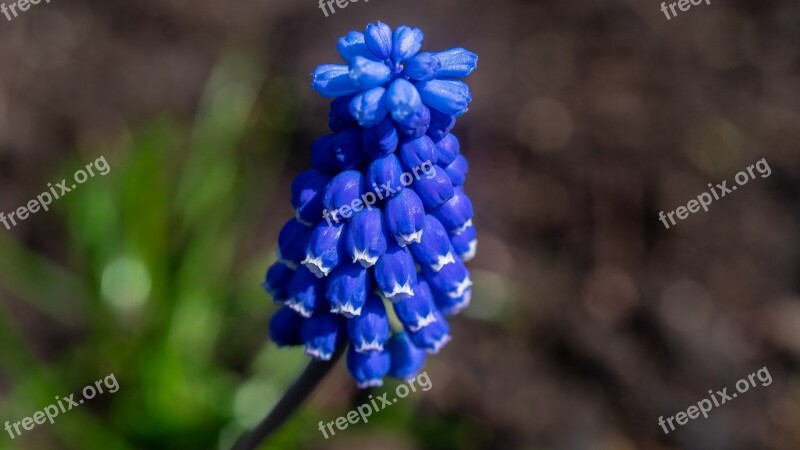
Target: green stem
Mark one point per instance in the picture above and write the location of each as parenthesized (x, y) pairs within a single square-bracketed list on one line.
[(289, 403)]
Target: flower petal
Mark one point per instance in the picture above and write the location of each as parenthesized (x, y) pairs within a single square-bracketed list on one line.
[(422, 67), (368, 368), (368, 73), (321, 157), (447, 150), (306, 292), (339, 116), (284, 327), (440, 125), (448, 96), (416, 152), (418, 311), (456, 62), (378, 38), (341, 193), (325, 248), (276, 282), (369, 107), (434, 189), (353, 44), (321, 333), (407, 359), (348, 287), (347, 148), (405, 217), (404, 102), (452, 305), (333, 80), (369, 331), (382, 173), (382, 139), (433, 337), (465, 243), (307, 200), (434, 251), (396, 274), (457, 171), (367, 238), (407, 42), (452, 280), (292, 242), (417, 125), (456, 213)]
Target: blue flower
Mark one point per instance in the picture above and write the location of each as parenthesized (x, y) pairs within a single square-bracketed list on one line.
[(321, 334), (406, 358), (381, 57), (343, 190), (379, 40), (435, 189), (369, 330), (405, 217), (434, 250), (382, 139), (307, 191), (325, 248), (433, 337), (456, 213), (457, 171), (416, 152), (417, 311), (382, 217), (447, 150), (348, 287), (369, 107), (284, 327), (465, 243), (292, 242), (367, 237), (276, 282), (306, 292), (395, 273), (368, 368)]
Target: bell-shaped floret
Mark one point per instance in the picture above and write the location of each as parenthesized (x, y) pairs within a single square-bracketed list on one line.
[(418, 311), (369, 331), (396, 273), (325, 248), (322, 333), (348, 287), (368, 368), (292, 242), (284, 327), (405, 217), (407, 360), (367, 237)]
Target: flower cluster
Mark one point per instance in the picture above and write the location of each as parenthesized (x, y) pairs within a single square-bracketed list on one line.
[(393, 110)]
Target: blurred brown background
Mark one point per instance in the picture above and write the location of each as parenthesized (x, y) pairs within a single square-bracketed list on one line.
[(590, 320)]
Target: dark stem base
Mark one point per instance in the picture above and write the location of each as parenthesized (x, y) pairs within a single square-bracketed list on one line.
[(289, 403)]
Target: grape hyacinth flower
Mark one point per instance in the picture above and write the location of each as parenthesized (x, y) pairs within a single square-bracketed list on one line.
[(366, 236)]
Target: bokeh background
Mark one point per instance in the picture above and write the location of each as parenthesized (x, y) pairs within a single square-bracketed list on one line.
[(589, 319)]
